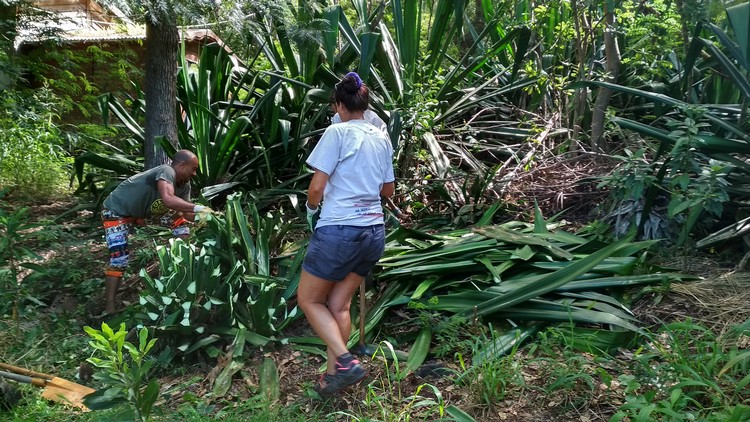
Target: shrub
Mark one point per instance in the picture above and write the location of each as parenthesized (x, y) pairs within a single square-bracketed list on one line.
[(31, 157)]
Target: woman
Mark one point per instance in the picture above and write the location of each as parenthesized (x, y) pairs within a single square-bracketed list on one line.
[(353, 170)]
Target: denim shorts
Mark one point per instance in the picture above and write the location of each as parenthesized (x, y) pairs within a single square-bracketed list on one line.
[(336, 251)]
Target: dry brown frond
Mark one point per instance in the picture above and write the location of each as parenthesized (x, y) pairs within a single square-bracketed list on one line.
[(724, 299), (561, 183)]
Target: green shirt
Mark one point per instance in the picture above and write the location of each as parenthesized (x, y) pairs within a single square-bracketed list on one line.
[(138, 195)]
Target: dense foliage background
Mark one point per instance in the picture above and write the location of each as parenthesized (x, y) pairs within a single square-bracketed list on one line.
[(545, 153)]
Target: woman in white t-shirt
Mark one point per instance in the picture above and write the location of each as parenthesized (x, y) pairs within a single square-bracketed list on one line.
[(353, 170)]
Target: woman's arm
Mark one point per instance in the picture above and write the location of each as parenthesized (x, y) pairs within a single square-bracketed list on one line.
[(388, 189), (317, 186)]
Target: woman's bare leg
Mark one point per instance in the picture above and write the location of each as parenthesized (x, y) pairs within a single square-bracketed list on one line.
[(312, 295), (339, 304)]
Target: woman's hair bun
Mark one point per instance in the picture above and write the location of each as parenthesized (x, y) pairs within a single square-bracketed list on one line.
[(351, 92), (351, 83)]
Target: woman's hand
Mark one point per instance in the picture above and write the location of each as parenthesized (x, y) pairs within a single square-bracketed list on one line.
[(311, 213)]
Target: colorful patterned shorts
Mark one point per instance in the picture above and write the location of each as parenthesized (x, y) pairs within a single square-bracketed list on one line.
[(116, 231)]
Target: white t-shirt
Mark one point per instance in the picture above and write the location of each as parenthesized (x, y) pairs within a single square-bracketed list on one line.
[(358, 159)]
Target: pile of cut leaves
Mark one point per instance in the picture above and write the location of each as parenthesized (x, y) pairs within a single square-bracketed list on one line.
[(526, 274)]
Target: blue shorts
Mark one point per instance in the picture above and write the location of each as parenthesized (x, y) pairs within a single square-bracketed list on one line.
[(336, 251)]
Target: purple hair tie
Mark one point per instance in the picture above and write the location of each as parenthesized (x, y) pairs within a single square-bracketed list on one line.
[(356, 78)]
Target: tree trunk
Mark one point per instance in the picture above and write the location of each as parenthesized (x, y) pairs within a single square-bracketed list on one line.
[(478, 19), (582, 30), (684, 23), (612, 68), (160, 90)]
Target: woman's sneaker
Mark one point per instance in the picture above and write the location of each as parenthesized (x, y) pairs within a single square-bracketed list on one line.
[(322, 385), (348, 372)]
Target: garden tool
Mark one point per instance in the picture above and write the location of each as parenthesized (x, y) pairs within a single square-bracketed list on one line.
[(364, 349), (55, 388), (370, 349)]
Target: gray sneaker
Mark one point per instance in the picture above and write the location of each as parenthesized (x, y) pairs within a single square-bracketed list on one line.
[(345, 376), (322, 386)]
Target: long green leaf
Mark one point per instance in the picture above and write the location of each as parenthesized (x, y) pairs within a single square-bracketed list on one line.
[(369, 42), (458, 414), (710, 144), (501, 345), (549, 282), (418, 352), (736, 75), (739, 18), (664, 99)]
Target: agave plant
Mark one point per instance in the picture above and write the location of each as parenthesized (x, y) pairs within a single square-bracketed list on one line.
[(429, 90), (250, 129), (234, 122), (204, 294), (212, 127)]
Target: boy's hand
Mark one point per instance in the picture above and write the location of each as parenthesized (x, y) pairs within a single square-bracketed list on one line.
[(202, 212)]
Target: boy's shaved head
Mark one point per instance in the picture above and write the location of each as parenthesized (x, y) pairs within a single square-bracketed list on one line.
[(183, 156)]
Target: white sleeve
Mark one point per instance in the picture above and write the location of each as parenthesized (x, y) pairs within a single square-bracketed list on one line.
[(375, 120), (324, 156), (388, 175)]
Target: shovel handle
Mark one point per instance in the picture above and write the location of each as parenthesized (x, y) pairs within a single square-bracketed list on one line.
[(23, 378), (24, 371)]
